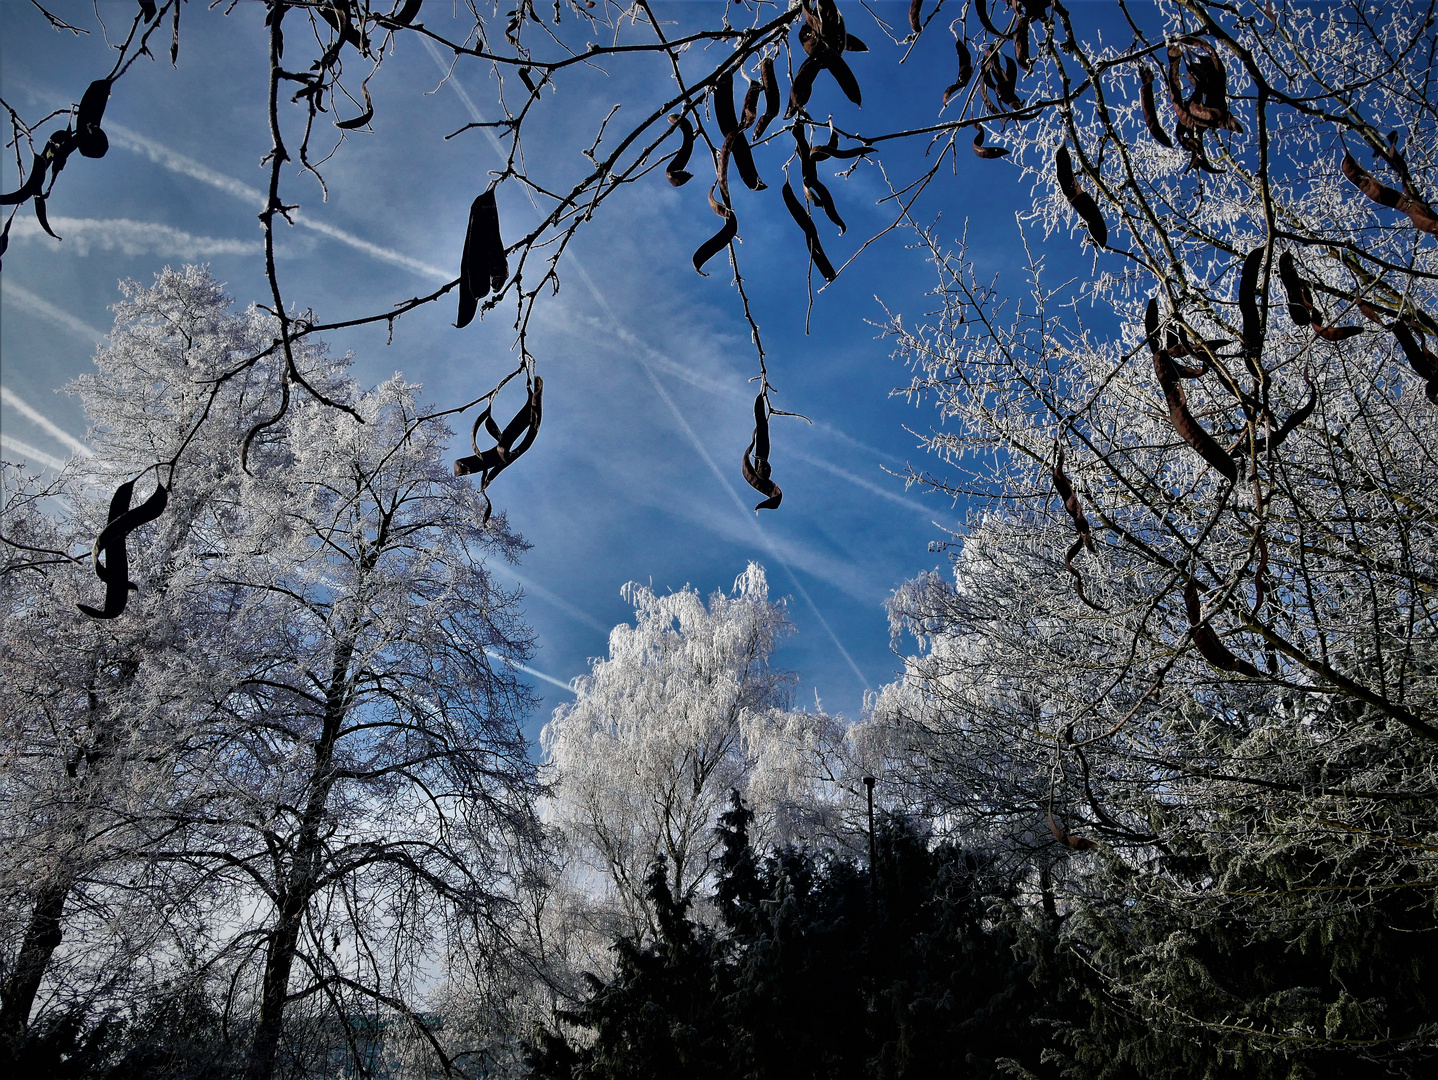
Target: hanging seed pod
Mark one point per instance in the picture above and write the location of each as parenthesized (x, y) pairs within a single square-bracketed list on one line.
[(1179, 415), (34, 184), (90, 140), (510, 443), (803, 84), (966, 70), (1423, 362), (114, 570), (1301, 308), (482, 265), (1080, 200), (1208, 105), (1150, 108), (1419, 212), (853, 44), (756, 472), (147, 10), (982, 8), (723, 104), (363, 118), (407, 13), (1021, 45), (42, 217), (720, 240), (816, 192), (751, 106), (770, 84), (1081, 526), (811, 234), (1078, 843), (916, 21), (1191, 139), (1207, 642), (675, 173), (1249, 306), (988, 152)]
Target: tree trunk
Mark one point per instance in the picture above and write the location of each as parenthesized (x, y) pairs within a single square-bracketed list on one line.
[(299, 886), (42, 938)]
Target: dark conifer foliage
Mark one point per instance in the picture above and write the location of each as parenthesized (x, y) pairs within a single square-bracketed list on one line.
[(818, 968)]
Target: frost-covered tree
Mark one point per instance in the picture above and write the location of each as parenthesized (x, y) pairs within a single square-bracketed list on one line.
[(685, 710), (1191, 624), (344, 769)]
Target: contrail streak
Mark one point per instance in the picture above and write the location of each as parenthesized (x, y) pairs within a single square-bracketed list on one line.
[(185, 166), (38, 305), (528, 670), (18, 447), (859, 481), (34, 415)]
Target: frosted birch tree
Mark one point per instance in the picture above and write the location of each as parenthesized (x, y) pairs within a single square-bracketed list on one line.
[(685, 710)]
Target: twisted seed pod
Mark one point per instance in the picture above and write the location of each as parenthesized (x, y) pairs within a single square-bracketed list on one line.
[(720, 240), (756, 472), (114, 571), (989, 152), (1419, 212), (1207, 642), (1079, 199), (811, 234), (674, 172)]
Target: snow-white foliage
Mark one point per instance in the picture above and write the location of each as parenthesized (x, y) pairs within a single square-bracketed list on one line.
[(685, 710), (1278, 727)]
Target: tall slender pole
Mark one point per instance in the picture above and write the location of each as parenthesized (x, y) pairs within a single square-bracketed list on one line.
[(873, 854)]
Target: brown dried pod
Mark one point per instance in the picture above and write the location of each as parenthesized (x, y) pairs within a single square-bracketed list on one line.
[(756, 472), (147, 10), (675, 172), (853, 44), (816, 192), (1301, 308), (1150, 108), (770, 84), (723, 104), (982, 8), (1191, 139), (1081, 526), (363, 118), (916, 22), (114, 570), (803, 84), (1250, 305), (34, 183), (1207, 642), (811, 234), (989, 152), (966, 70), (1078, 843), (750, 111), (720, 240), (42, 217), (1021, 44), (510, 443), (1419, 212), (1179, 415), (1209, 102), (482, 265), (1423, 362), (1080, 200), (407, 12), (90, 140)]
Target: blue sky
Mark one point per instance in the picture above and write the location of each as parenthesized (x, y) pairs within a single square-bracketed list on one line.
[(635, 475)]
